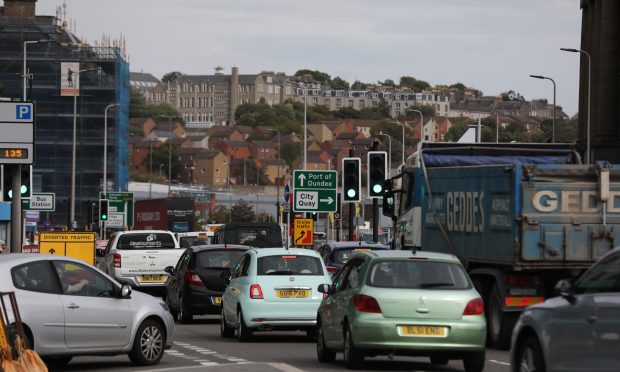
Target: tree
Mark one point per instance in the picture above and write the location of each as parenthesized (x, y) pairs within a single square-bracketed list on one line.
[(339, 84), (511, 95), (160, 156), (413, 83), (243, 212), (388, 83), (358, 85), (171, 76), (426, 110), (136, 103), (159, 109), (290, 151), (316, 75), (347, 113), (456, 132), (221, 214)]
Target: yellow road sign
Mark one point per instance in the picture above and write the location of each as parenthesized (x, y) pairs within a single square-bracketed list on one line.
[(303, 231), (77, 245)]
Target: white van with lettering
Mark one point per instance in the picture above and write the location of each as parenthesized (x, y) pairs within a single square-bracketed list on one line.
[(138, 258)]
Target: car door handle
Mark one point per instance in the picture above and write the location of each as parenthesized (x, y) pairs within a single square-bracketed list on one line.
[(73, 306), (592, 319)]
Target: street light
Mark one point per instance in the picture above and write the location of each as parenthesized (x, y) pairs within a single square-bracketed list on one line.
[(160, 166), (553, 126), (105, 159), (589, 86), (277, 177), (421, 125), (75, 89), (305, 88), (389, 151), (24, 72), (403, 154), (170, 117)]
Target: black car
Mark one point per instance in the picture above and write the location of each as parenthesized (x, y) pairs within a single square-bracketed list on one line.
[(197, 282), (255, 234), (336, 254)]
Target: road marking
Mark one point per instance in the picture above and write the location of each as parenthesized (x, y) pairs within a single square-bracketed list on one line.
[(498, 362), (284, 367), (227, 359)]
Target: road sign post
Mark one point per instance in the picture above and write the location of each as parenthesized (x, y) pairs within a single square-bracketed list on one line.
[(314, 191), (120, 209)]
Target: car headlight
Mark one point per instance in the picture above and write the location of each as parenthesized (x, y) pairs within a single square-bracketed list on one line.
[(165, 306)]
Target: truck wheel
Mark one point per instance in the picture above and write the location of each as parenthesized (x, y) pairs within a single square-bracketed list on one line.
[(500, 323)]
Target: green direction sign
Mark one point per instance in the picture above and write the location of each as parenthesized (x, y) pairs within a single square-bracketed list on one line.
[(314, 191), (117, 202)]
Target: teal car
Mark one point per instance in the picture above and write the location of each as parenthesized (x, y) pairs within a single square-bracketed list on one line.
[(273, 289), (402, 303)]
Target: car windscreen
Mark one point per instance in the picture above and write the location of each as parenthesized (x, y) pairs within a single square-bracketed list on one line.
[(190, 241), (218, 259), (419, 274), (341, 256), (289, 265), (145, 241)]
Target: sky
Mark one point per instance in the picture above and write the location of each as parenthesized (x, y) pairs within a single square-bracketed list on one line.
[(490, 45)]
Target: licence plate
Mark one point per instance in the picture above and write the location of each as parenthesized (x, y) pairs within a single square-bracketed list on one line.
[(427, 331), (216, 300), (292, 293), (152, 278)]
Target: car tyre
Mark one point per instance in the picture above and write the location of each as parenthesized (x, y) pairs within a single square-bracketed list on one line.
[(323, 353), (225, 330), (500, 323), (184, 316), (148, 344), (244, 334), (439, 360), (353, 357), (474, 362), (530, 356)]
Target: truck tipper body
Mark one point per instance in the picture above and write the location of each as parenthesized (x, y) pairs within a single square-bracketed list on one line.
[(519, 216)]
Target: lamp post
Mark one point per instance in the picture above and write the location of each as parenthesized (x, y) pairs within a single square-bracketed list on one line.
[(160, 166), (403, 154), (421, 125), (150, 168), (277, 178), (105, 147), (73, 153), (389, 151), (24, 71), (305, 126), (170, 117), (553, 125), (589, 86)]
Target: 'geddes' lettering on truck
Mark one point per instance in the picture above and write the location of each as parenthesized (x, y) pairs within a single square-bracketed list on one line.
[(574, 201), (465, 211)]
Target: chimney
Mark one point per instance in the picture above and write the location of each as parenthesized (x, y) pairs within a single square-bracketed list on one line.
[(19, 8)]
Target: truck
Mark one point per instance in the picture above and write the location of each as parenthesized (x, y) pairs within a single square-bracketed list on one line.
[(172, 214), (519, 216)]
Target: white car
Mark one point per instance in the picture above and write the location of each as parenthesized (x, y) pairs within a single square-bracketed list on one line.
[(70, 308), (192, 238), (139, 257)]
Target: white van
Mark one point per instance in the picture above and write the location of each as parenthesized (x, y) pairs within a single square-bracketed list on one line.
[(139, 257)]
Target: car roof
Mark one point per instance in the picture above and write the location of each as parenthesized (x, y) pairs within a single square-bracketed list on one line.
[(351, 245), (210, 247), (144, 232), (261, 252), (19, 258), (404, 254)]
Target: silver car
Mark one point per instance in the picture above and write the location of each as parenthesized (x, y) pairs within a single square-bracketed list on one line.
[(70, 308), (577, 331)]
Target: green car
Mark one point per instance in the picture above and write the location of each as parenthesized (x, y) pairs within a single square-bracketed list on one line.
[(402, 303)]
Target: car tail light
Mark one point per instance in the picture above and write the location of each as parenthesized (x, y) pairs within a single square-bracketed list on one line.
[(194, 279), (256, 292), (366, 304), (474, 307), (332, 269), (117, 260)]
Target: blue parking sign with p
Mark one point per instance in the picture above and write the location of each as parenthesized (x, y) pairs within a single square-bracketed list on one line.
[(23, 112)]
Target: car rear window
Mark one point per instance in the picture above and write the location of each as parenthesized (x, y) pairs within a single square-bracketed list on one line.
[(225, 258), (342, 255), (289, 265), (190, 241), (145, 241), (420, 274)]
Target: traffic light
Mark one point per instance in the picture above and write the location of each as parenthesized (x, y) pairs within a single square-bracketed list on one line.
[(26, 183), (377, 171), (351, 179), (103, 209), (315, 216)]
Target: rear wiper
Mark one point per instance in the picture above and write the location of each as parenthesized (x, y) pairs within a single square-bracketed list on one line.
[(430, 285), (281, 272)]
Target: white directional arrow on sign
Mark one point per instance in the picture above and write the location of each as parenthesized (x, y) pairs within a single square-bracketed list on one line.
[(302, 178), (329, 200)]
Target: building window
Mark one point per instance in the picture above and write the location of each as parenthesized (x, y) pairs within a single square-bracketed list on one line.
[(315, 101), (362, 104), (338, 103), (327, 101), (350, 103)]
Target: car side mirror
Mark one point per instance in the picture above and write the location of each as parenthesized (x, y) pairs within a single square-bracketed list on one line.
[(324, 288), (99, 253), (388, 202), (125, 291), (169, 270), (226, 275), (566, 289)]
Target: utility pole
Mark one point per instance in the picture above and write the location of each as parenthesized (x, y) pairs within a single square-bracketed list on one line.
[(375, 205), (351, 209)]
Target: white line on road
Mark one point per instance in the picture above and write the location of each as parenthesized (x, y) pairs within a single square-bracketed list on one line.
[(498, 362), (285, 367)]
